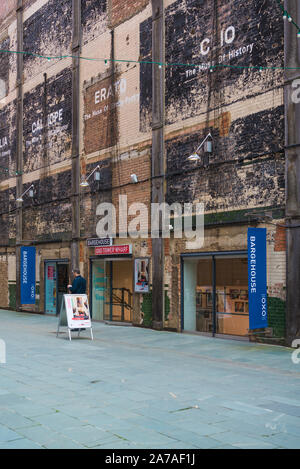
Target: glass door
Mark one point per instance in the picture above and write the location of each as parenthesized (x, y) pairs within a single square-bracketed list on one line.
[(62, 283), (50, 287), (122, 278), (198, 295), (101, 290), (232, 296)]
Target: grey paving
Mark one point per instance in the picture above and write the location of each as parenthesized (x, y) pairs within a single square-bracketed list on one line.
[(138, 388)]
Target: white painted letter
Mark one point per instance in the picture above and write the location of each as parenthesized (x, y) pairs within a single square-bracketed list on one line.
[(206, 51), (296, 93)]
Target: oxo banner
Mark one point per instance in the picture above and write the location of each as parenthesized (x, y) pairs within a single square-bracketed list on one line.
[(28, 255), (257, 277)]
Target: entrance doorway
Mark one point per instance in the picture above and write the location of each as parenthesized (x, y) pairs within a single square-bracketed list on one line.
[(111, 292), (100, 290), (56, 282)]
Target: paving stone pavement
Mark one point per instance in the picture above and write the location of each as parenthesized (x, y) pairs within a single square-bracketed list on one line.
[(138, 388)]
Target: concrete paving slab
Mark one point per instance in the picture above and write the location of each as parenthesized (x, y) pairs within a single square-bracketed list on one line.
[(13, 420), (139, 388), (6, 434), (21, 443), (39, 434)]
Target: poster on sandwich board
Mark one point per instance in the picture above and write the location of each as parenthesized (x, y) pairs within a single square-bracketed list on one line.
[(75, 313)]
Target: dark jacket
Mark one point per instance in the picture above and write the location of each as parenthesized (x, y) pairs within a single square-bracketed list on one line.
[(78, 285)]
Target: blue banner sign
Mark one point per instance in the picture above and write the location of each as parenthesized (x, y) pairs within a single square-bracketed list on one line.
[(257, 278), (28, 255)]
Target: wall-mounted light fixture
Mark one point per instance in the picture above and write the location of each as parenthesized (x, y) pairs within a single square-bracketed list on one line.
[(97, 175), (134, 178), (208, 148), (30, 193)]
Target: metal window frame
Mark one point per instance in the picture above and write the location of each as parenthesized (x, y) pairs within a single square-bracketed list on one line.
[(57, 261), (213, 255), (103, 257)]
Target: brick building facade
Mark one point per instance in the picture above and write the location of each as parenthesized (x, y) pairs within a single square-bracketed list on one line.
[(78, 114)]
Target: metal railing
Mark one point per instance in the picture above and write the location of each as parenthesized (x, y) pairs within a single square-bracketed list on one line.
[(123, 300)]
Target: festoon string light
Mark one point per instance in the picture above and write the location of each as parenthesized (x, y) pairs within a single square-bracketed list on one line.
[(288, 17), (209, 68)]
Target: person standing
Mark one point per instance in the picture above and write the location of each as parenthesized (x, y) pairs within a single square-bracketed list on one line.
[(78, 284)]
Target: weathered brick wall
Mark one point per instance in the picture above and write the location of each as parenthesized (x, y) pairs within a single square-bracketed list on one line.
[(47, 141), (120, 103), (7, 215), (197, 34), (183, 86), (48, 121), (9, 34), (7, 141), (47, 32), (7, 171), (54, 221), (7, 7), (97, 193), (228, 182), (49, 213), (28, 3), (4, 68), (280, 239), (145, 40), (121, 10), (94, 19), (100, 114), (110, 106), (138, 163)]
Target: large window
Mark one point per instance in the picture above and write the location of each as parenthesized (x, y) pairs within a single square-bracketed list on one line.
[(216, 294), (232, 305)]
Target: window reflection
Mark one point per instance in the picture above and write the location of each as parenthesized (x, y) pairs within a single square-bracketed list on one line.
[(231, 295)]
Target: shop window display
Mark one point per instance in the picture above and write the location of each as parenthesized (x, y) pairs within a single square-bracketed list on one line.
[(231, 315)]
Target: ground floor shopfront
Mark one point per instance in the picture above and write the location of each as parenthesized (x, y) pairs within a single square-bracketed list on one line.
[(215, 299), (117, 283), (110, 285), (214, 284), (111, 289), (205, 291)]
